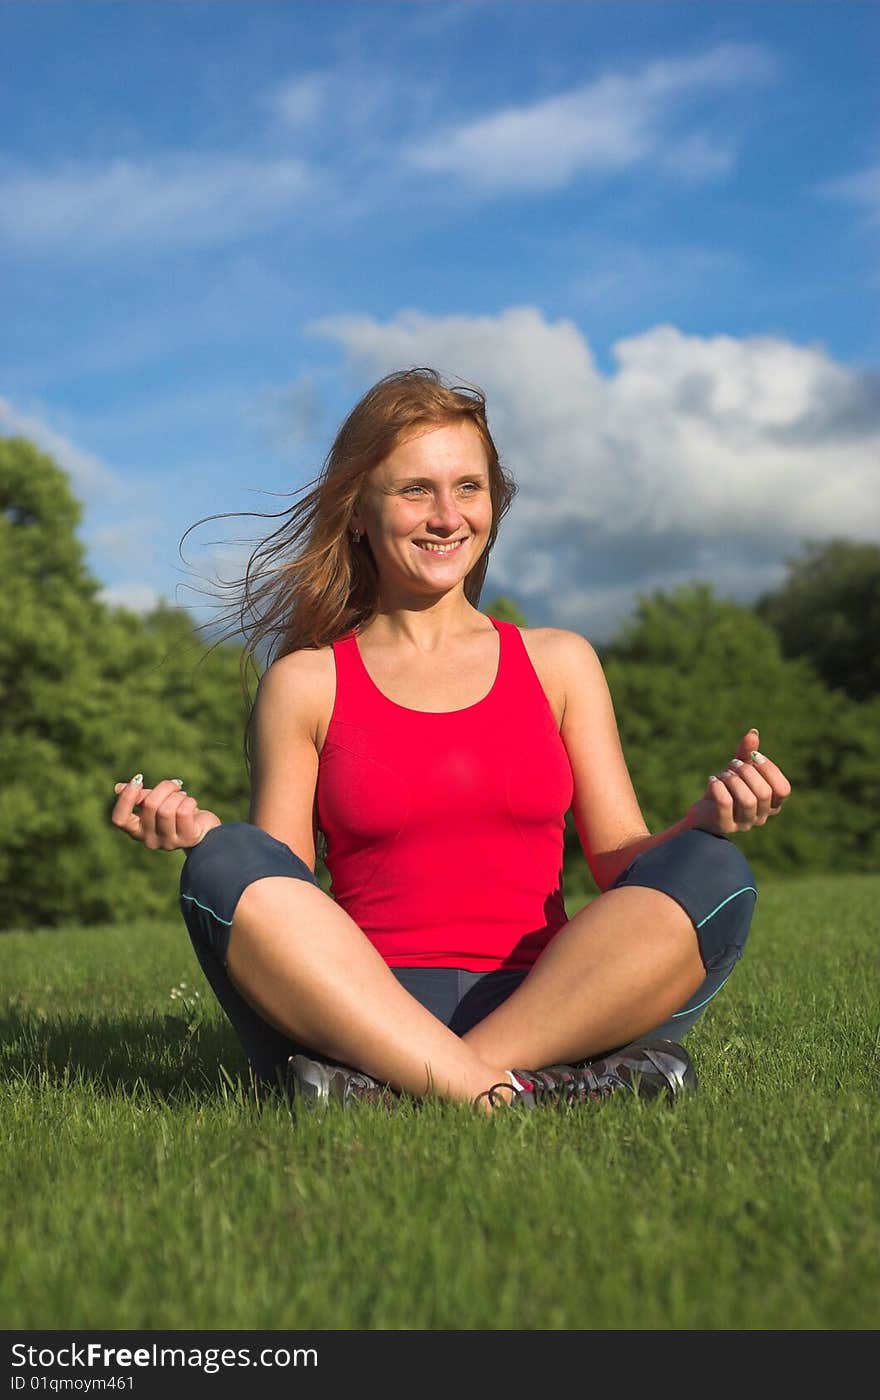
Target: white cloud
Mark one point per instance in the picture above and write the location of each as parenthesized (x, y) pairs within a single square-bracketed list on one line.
[(611, 124), (862, 188), (696, 157), (120, 520), (302, 100), (698, 457), (89, 475), (357, 121), (136, 597), (179, 199), (358, 107), (116, 544)]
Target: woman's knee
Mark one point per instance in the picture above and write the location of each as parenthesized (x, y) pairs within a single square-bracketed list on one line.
[(216, 873), (725, 900), (734, 870), (712, 880)]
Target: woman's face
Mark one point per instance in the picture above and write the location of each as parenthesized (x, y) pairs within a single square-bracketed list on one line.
[(427, 510)]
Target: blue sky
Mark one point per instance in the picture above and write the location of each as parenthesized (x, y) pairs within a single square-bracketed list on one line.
[(649, 231)]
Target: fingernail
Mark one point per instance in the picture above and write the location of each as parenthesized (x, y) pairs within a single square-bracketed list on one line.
[(713, 777), (758, 757), (178, 781), (138, 779), (736, 763), (754, 731)]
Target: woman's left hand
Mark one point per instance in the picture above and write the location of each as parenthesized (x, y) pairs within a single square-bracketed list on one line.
[(744, 795)]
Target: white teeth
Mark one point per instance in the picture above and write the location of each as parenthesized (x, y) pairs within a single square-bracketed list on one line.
[(439, 548)]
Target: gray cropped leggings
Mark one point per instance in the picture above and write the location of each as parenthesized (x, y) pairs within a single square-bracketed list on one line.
[(707, 875)]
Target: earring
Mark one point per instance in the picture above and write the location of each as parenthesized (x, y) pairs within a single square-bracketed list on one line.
[(355, 535)]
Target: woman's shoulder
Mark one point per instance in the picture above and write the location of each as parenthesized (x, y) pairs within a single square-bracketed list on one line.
[(297, 667), (304, 679), (560, 658), (556, 644)]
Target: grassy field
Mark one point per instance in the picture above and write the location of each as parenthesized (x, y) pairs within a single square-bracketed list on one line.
[(142, 1186)]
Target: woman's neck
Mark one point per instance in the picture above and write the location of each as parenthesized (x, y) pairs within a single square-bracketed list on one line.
[(425, 629)]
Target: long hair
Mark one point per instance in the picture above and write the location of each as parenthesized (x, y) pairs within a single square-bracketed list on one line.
[(308, 583)]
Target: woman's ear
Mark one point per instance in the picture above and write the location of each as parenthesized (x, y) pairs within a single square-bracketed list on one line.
[(356, 522)]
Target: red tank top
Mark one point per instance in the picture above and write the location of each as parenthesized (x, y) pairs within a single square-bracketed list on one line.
[(445, 830)]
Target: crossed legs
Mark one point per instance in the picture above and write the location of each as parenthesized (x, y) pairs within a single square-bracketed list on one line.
[(300, 961), (618, 967), (289, 965)]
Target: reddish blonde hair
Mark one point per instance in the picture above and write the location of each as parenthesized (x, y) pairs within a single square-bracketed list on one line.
[(308, 583)]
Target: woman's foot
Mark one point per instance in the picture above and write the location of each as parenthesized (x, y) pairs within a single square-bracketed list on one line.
[(317, 1083), (647, 1070)]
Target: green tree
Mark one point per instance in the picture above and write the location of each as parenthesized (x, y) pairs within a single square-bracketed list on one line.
[(689, 674), (828, 611), (89, 694)]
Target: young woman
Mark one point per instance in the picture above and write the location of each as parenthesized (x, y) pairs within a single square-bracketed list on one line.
[(438, 749)]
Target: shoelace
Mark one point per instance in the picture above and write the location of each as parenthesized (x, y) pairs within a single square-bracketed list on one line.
[(555, 1087), (565, 1084)]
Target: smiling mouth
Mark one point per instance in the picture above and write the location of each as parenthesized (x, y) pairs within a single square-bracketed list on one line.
[(432, 547)]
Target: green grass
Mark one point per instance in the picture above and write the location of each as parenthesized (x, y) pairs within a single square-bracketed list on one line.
[(142, 1185)]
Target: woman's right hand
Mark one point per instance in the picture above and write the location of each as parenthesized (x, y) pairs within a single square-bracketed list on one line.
[(164, 818)]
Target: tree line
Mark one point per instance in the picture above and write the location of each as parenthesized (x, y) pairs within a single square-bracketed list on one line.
[(90, 693)]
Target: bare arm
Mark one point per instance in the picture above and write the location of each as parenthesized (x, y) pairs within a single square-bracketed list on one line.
[(284, 771), (609, 820), (606, 811)]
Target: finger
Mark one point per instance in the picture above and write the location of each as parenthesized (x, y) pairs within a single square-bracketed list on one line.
[(129, 793), (154, 797), (166, 820), (133, 783), (183, 817), (723, 799), (747, 745), (745, 803), (749, 774), (777, 780)]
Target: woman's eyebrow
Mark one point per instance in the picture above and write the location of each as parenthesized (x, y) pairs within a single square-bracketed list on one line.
[(429, 481)]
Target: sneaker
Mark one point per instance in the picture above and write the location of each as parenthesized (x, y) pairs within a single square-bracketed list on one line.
[(657, 1067), (318, 1083), (554, 1087)]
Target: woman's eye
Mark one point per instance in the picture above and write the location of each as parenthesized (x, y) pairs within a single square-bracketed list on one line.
[(465, 486)]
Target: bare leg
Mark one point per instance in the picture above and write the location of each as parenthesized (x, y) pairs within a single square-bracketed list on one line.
[(621, 965), (307, 968)]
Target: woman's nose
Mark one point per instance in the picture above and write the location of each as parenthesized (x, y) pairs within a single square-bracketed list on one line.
[(445, 514)]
